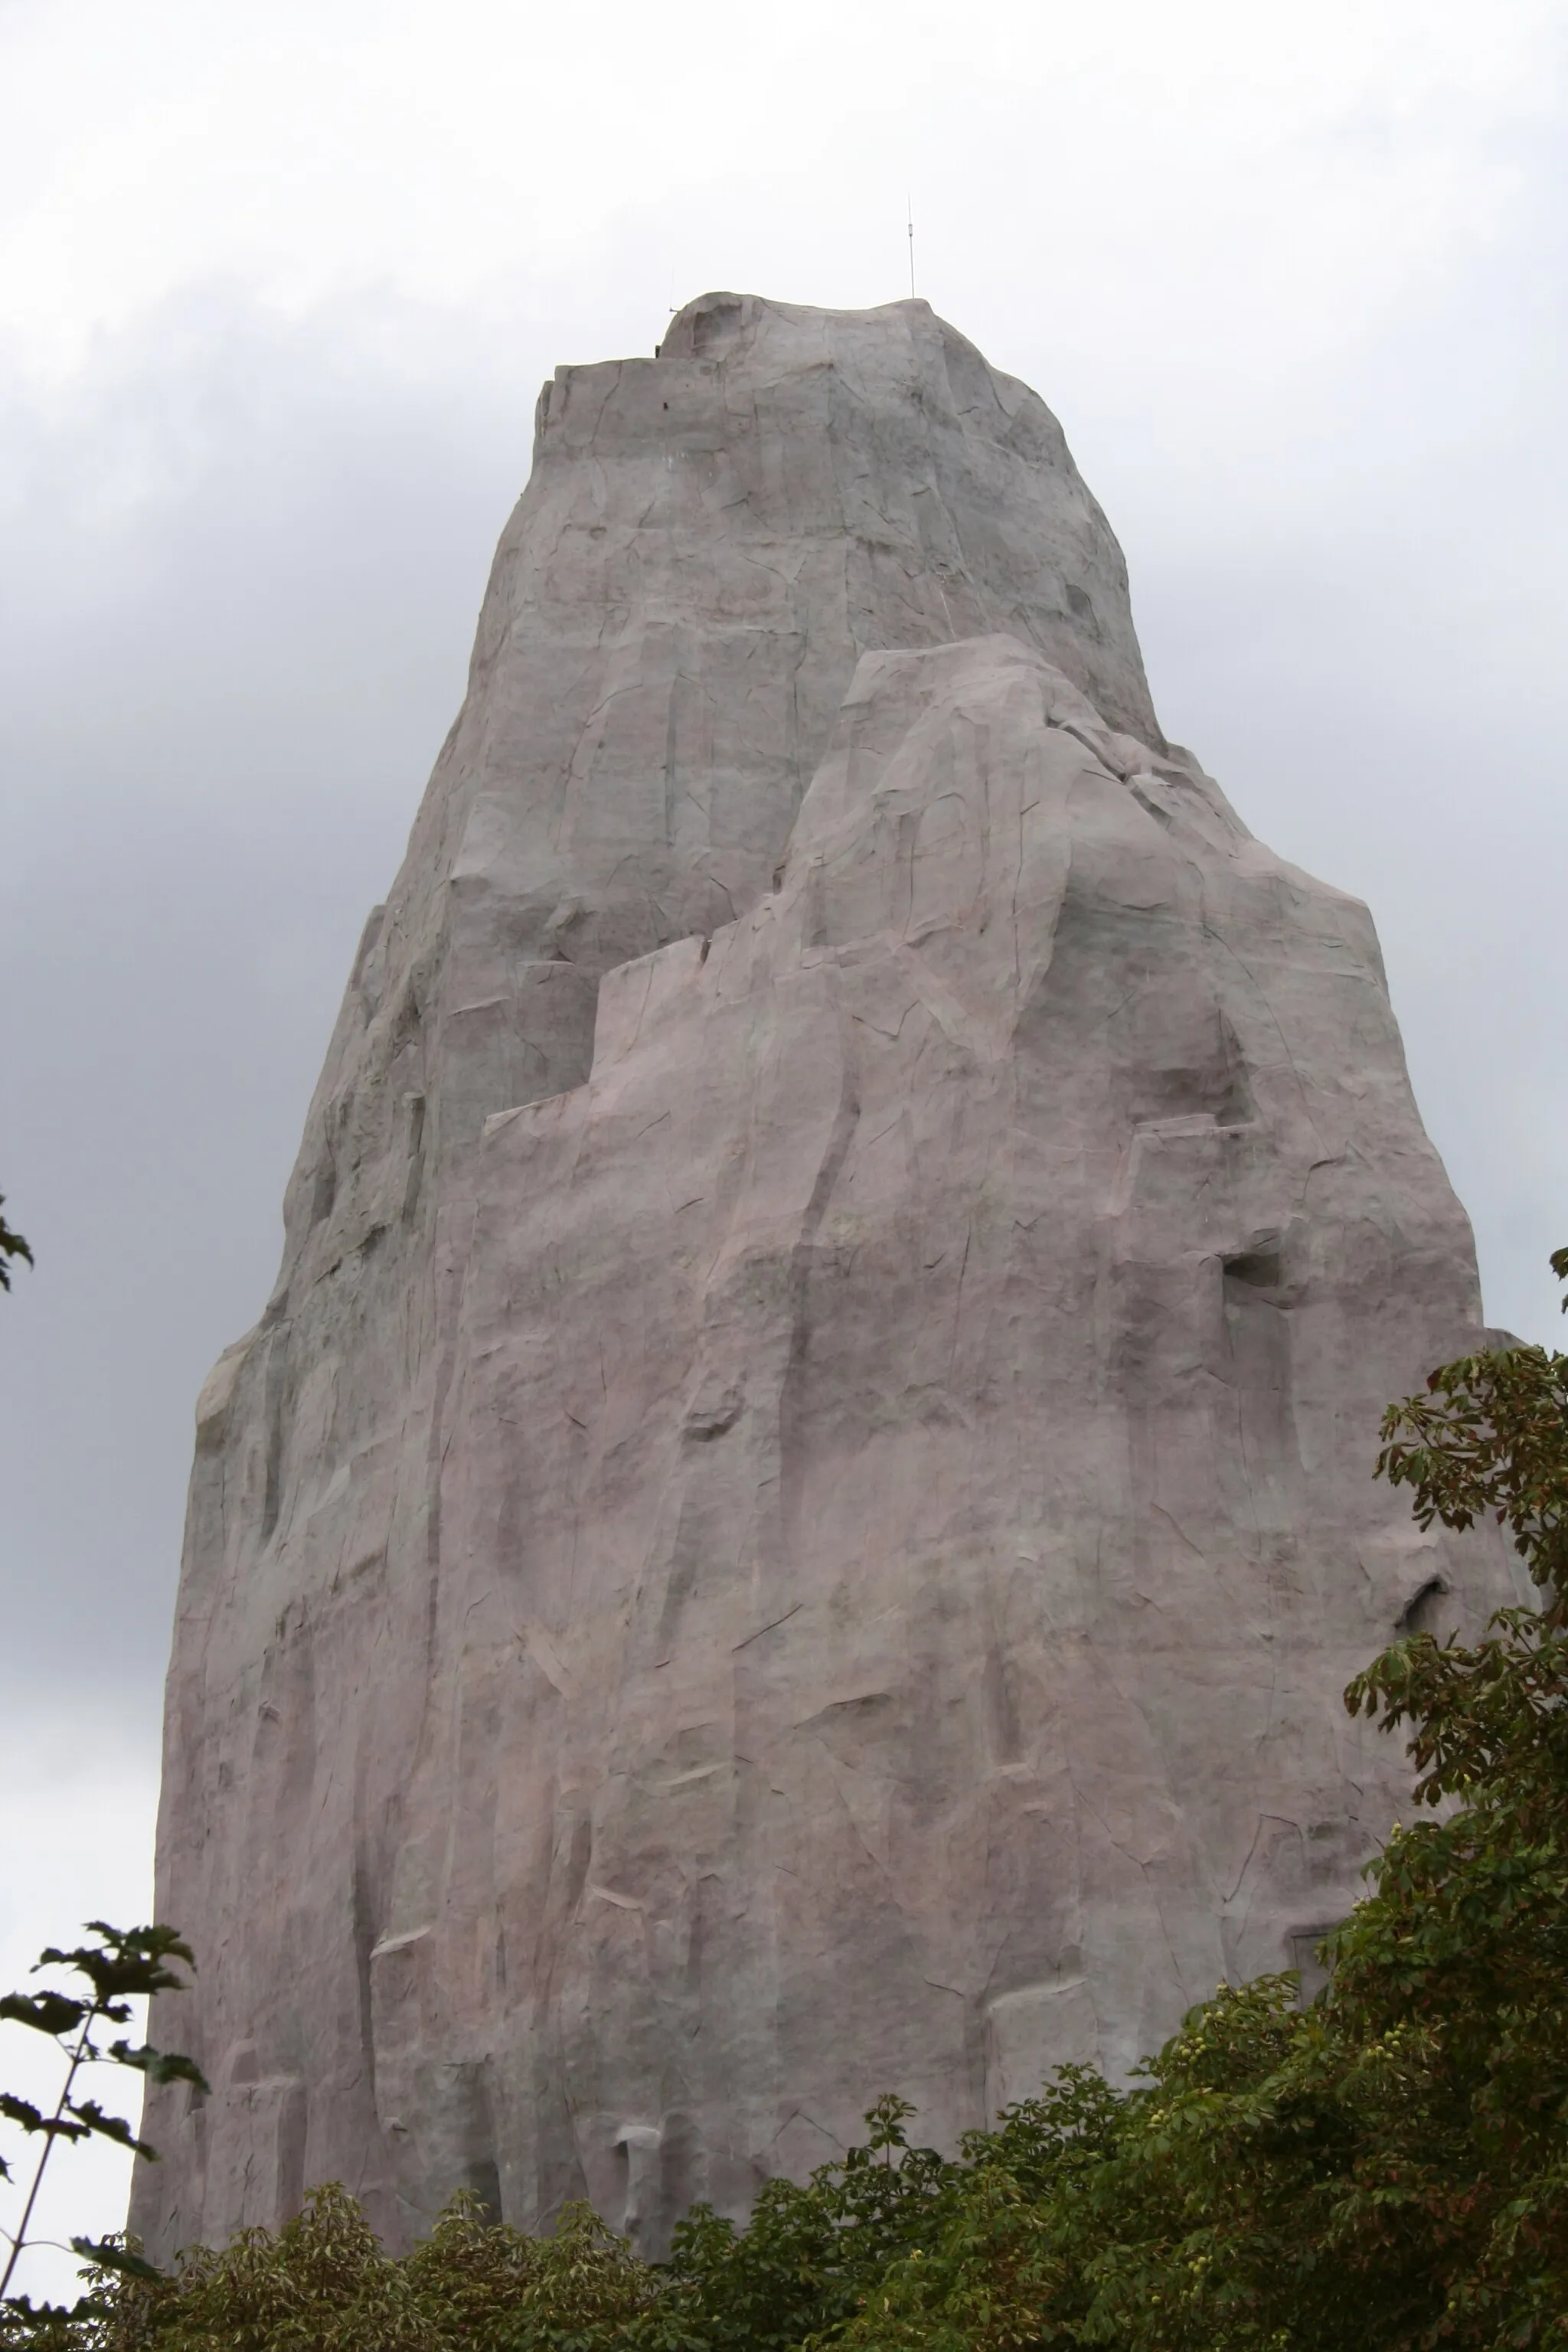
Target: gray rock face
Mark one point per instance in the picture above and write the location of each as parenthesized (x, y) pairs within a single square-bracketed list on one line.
[(795, 1523)]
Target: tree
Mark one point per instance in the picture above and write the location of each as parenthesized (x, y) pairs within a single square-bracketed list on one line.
[(125, 1964), (324, 2283), (12, 1245)]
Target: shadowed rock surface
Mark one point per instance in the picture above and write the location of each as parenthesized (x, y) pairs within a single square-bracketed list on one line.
[(796, 1522)]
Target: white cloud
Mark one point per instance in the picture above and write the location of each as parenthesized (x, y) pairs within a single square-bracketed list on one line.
[(1305, 161)]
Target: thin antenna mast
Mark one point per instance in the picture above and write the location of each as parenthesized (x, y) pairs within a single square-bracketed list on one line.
[(910, 209)]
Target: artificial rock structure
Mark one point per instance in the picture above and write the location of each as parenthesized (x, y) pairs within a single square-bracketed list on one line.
[(796, 1522)]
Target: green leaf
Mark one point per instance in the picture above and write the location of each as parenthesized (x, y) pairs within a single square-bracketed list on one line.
[(114, 2255), (92, 2118), (128, 1962), (47, 2012), (12, 1245), (159, 2065)]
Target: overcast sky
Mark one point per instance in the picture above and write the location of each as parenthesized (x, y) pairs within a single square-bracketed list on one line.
[(277, 288)]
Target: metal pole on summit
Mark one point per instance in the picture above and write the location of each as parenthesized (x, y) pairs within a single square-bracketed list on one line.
[(909, 207)]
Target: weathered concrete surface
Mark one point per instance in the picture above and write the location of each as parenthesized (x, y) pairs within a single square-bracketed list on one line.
[(820, 1556)]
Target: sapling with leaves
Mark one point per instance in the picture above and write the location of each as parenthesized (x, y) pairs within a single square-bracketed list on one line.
[(12, 1247), (124, 1964)]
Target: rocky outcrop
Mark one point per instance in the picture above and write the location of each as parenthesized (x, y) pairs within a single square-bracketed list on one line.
[(797, 1521)]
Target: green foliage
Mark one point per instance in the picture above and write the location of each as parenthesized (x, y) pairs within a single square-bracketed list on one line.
[(1387, 2168), (323, 2284), (12, 1247), (124, 1964), (809, 2255), (1487, 1436)]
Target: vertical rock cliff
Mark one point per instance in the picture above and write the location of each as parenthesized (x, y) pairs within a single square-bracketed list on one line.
[(795, 1521)]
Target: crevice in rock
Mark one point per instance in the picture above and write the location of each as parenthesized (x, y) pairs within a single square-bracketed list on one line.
[(1421, 1614)]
